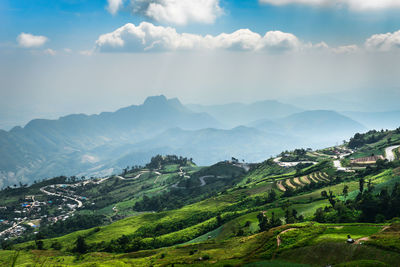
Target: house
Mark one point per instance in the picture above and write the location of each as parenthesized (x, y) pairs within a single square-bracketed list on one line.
[(366, 160)]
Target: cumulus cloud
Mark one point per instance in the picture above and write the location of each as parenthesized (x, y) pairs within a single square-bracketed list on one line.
[(28, 40), (148, 37), (178, 12), (357, 5), (383, 42), (114, 6)]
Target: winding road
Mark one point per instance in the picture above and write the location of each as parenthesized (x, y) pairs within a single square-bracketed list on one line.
[(290, 164), (338, 165), (278, 237), (159, 174), (63, 196), (389, 152), (137, 176), (203, 183)]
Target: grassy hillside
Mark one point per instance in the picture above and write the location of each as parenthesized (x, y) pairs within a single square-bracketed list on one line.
[(229, 215), (304, 244)]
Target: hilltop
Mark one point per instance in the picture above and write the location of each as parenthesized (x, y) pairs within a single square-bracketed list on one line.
[(102, 144), (287, 210), (77, 143)]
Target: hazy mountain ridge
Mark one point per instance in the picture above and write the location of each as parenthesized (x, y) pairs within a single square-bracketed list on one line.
[(376, 120), (105, 143), (210, 145), (234, 114), (62, 143)]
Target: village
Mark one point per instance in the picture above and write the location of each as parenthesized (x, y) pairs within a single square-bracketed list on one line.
[(54, 203)]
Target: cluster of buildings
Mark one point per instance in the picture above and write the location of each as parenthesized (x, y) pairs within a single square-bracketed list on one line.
[(30, 212)]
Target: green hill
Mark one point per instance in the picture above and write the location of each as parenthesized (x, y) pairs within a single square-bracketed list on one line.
[(232, 214)]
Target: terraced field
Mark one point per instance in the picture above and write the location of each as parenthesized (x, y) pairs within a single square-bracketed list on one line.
[(297, 182)]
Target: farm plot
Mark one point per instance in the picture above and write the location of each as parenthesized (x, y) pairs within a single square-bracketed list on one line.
[(297, 182)]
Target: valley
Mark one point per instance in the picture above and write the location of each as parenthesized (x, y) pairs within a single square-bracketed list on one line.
[(102, 144), (289, 210)]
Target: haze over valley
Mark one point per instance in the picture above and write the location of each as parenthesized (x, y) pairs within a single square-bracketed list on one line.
[(99, 145)]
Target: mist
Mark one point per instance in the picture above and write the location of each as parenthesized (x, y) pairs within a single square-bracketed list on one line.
[(36, 85)]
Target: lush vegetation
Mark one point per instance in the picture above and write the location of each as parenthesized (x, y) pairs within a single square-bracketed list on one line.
[(173, 212)]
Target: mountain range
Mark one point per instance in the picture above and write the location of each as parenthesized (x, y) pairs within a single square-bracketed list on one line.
[(97, 145)]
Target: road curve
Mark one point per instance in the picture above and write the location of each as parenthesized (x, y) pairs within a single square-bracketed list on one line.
[(389, 152), (292, 163), (59, 195), (203, 183)]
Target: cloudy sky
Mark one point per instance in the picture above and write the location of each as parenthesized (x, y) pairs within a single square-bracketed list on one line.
[(67, 56)]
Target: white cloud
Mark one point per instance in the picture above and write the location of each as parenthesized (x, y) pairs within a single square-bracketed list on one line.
[(357, 5), (114, 6), (383, 42), (178, 12), (346, 49), (28, 40), (50, 52), (321, 46), (148, 37)]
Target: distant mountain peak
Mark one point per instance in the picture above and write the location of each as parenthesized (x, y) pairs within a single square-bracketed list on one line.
[(154, 100)]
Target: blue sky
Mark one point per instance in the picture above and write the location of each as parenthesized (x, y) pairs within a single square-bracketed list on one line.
[(78, 23), (70, 56)]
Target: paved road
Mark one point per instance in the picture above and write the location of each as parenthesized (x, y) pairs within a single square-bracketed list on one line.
[(137, 176), (291, 164), (341, 156), (155, 181), (176, 186), (389, 152), (59, 195), (338, 165), (203, 183)]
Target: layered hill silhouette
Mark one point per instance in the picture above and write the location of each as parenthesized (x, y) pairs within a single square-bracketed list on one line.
[(46, 147), (96, 145)]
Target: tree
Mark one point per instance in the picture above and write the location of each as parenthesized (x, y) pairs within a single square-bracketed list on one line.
[(345, 191), (361, 184), (271, 196), (39, 244), (80, 245), (219, 220), (319, 215), (369, 185), (331, 198), (262, 222)]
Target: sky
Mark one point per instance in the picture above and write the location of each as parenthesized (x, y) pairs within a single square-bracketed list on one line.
[(86, 56)]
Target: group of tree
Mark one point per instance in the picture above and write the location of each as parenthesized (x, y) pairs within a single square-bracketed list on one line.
[(299, 154), (150, 236), (358, 140), (72, 224), (186, 193), (265, 223), (158, 161), (368, 206)]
